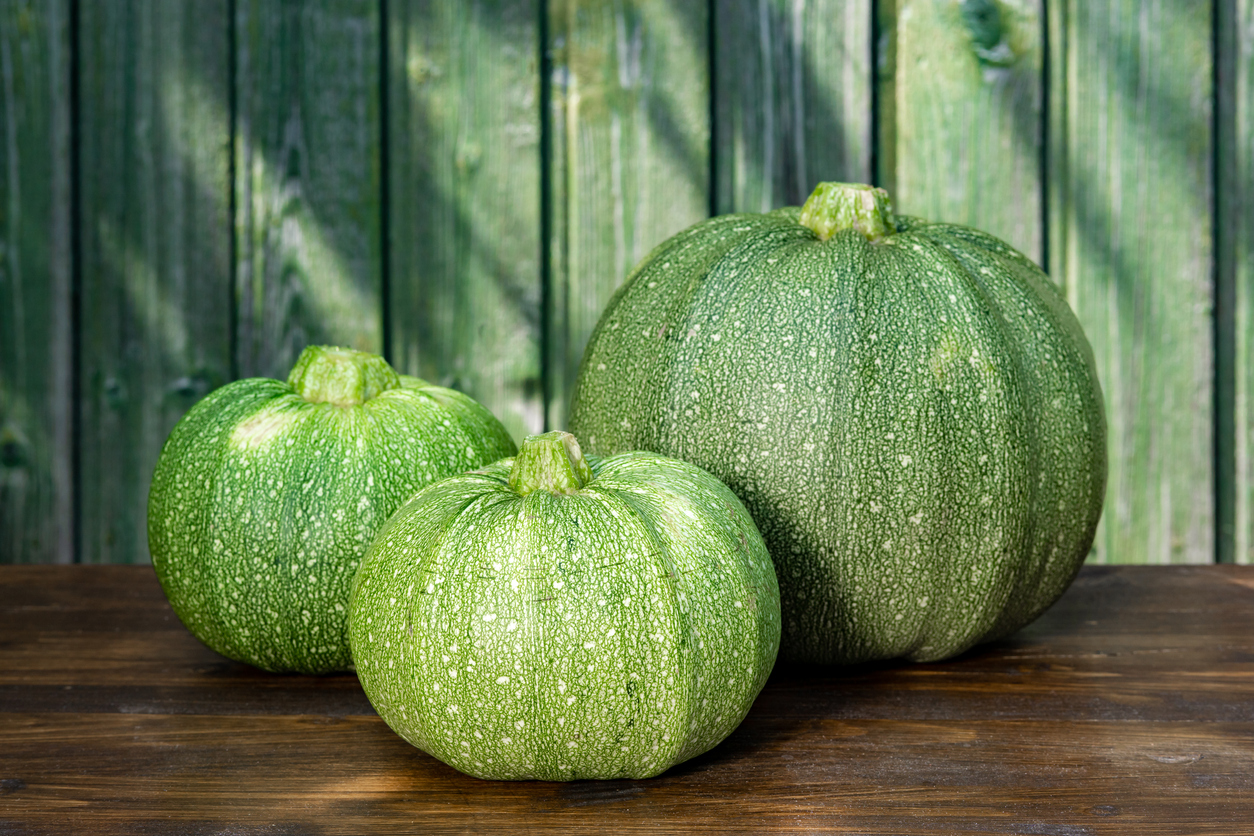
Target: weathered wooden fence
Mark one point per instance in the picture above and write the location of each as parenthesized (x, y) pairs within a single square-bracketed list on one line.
[(193, 191)]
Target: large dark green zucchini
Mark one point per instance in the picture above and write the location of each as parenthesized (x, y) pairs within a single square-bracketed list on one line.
[(909, 410)]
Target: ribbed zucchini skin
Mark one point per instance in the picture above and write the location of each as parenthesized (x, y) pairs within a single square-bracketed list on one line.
[(262, 506), (915, 424), (607, 633)]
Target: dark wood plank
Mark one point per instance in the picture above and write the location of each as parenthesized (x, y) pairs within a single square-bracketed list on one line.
[(1124, 709), (464, 200), (193, 775), (629, 165), (1131, 241), (961, 93), (35, 342), (307, 180), (792, 99), (1116, 647), (111, 643), (154, 156)]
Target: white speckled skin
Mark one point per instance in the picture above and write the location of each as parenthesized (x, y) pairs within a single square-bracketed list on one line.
[(611, 632), (263, 504), (915, 423)]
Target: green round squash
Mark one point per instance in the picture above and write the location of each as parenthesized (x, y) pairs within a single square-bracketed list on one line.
[(555, 618), (909, 410), (267, 494)]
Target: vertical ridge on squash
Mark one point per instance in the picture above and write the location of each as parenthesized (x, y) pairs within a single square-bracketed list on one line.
[(896, 411), (1065, 411)]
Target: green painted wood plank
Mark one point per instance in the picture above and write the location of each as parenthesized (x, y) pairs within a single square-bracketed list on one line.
[(1236, 179), (630, 117), (155, 131), (792, 99), (308, 158), (35, 344), (962, 96), (464, 171), (1057, 146), (1132, 244)]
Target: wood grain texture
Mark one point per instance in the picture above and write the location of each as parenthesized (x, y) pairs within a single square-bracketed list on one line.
[(155, 138), (1132, 244), (1124, 709), (464, 200), (792, 99), (197, 775), (962, 98), (1118, 647), (35, 343), (307, 149), (120, 648), (630, 124), (1237, 226)]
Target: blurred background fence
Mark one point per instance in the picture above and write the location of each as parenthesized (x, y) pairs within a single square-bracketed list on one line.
[(191, 192)]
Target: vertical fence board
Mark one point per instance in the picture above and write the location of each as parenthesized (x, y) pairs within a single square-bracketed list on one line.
[(1238, 229), (792, 99), (1058, 196), (308, 158), (630, 167), (963, 88), (155, 247), (464, 200), (35, 344), (1135, 254)]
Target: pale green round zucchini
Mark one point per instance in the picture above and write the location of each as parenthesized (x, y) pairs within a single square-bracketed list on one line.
[(552, 618)]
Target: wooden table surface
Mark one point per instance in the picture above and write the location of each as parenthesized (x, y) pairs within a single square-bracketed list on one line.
[(1128, 708)]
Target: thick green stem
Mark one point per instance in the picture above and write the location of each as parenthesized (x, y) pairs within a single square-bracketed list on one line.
[(552, 461), (835, 207), (341, 376)]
